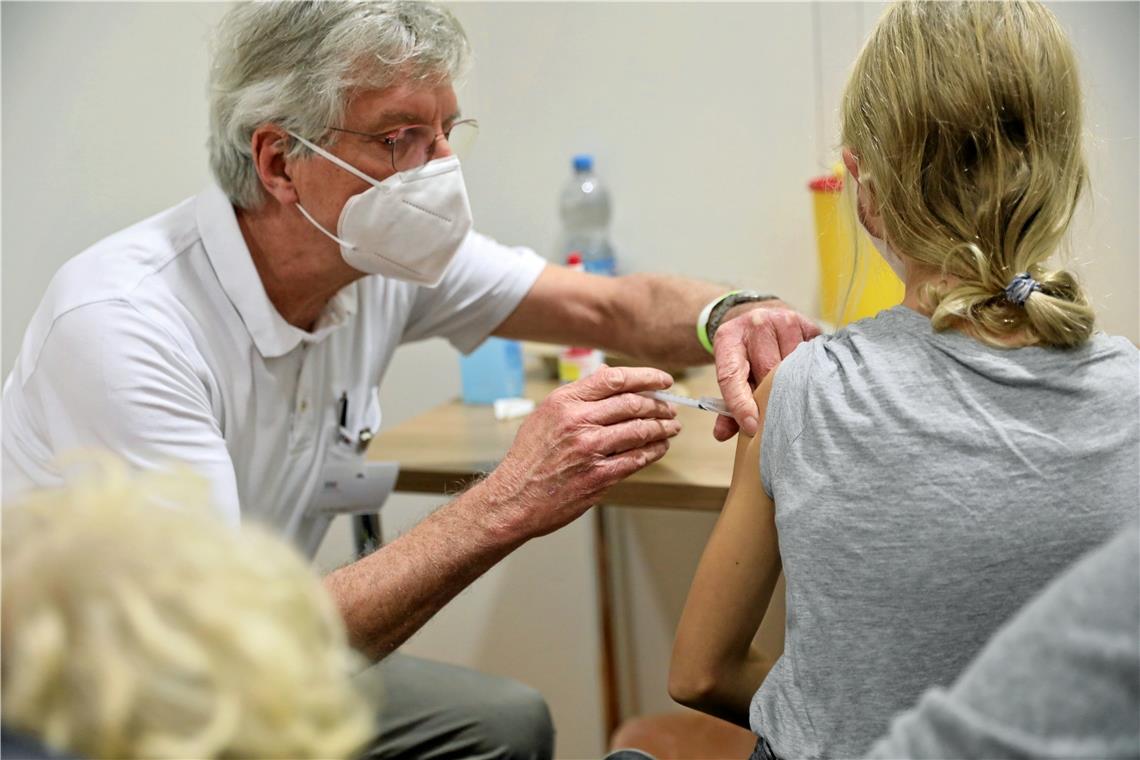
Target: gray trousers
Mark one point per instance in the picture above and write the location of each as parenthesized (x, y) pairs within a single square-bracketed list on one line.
[(432, 710)]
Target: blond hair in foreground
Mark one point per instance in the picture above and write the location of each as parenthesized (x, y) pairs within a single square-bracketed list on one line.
[(965, 118), (136, 624)]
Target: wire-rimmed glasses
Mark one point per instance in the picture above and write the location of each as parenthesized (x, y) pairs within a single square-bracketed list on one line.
[(412, 147)]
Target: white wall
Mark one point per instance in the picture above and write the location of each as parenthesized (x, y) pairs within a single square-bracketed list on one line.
[(104, 123), (706, 121), (1106, 233)]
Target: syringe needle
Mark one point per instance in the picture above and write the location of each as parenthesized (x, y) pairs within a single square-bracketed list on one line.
[(707, 403)]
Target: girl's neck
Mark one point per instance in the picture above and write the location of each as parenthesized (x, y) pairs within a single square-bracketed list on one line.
[(918, 278)]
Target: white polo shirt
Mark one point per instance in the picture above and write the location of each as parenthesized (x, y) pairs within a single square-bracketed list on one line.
[(159, 343)]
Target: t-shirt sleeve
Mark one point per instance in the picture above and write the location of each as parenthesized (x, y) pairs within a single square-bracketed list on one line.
[(784, 419), (107, 378), (482, 286), (1059, 680)]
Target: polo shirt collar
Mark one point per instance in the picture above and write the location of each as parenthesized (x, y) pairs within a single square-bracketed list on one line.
[(228, 254)]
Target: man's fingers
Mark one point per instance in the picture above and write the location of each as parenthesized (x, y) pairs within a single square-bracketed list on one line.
[(789, 334), (732, 372), (627, 406), (763, 347), (621, 466), (635, 434), (610, 381), (808, 328)]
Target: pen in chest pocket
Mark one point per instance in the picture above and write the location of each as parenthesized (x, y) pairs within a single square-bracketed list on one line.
[(362, 438)]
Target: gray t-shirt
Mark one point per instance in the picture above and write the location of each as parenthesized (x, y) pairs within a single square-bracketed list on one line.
[(1060, 680), (926, 486)]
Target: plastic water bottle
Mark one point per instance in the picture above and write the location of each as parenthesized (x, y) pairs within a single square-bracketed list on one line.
[(492, 371), (585, 211)]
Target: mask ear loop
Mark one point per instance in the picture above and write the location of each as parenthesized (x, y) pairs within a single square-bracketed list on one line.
[(336, 160), (321, 227), (343, 165), (849, 293)]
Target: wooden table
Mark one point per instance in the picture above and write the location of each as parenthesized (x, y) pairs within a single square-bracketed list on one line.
[(446, 448)]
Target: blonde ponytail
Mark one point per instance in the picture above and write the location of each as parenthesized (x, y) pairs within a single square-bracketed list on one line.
[(966, 116), (1056, 314)]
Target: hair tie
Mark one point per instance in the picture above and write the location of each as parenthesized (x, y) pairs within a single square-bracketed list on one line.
[(1020, 287)]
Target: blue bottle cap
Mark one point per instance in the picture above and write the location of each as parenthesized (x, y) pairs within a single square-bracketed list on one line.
[(583, 162)]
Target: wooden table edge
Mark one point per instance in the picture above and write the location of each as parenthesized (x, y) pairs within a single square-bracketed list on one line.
[(694, 498)]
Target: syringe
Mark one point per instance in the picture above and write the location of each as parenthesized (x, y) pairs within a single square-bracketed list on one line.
[(708, 403)]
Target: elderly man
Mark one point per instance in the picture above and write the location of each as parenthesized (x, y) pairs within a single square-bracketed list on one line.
[(246, 331)]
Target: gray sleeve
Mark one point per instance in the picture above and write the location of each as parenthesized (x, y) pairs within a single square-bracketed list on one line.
[(1060, 679), (482, 286), (783, 421)]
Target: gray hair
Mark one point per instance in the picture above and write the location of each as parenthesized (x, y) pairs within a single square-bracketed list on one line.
[(294, 63)]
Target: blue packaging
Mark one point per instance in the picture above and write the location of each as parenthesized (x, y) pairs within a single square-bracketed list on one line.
[(492, 371)]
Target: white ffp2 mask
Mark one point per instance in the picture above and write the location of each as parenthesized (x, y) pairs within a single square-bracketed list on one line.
[(889, 255), (409, 226)]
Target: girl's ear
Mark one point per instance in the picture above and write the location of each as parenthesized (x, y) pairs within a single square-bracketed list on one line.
[(851, 163), (866, 206)]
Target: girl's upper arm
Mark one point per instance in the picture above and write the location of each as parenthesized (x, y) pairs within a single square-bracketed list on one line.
[(741, 563)]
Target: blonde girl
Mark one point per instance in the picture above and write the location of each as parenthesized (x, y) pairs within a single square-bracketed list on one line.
[(920, 475)]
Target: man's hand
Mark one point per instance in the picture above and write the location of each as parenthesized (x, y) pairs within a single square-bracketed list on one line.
[(745, 349), (584, 438)]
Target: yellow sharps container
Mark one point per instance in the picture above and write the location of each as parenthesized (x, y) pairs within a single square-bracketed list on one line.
[(854, 281)]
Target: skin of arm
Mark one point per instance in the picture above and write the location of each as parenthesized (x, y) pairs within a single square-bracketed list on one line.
[(716, 666), (651, 317), (585, 437), (389, 594)]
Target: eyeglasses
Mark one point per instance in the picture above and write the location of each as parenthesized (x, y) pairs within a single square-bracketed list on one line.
[(412, 147)]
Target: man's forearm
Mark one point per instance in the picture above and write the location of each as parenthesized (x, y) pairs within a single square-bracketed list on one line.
[(387, 596), (648, 317), (656, 318)]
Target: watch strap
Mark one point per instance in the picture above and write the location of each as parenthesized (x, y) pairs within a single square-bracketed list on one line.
[(714, 312)]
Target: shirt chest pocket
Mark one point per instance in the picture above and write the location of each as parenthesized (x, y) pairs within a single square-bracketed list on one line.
[(358, 420)]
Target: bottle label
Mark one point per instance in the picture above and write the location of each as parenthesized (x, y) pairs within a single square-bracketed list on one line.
[(603, 266)]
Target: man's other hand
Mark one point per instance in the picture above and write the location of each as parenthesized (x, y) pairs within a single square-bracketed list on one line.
[(585, 437), (745, 349)]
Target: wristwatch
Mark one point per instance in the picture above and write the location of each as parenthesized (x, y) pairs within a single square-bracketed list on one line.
[(713, 314)]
